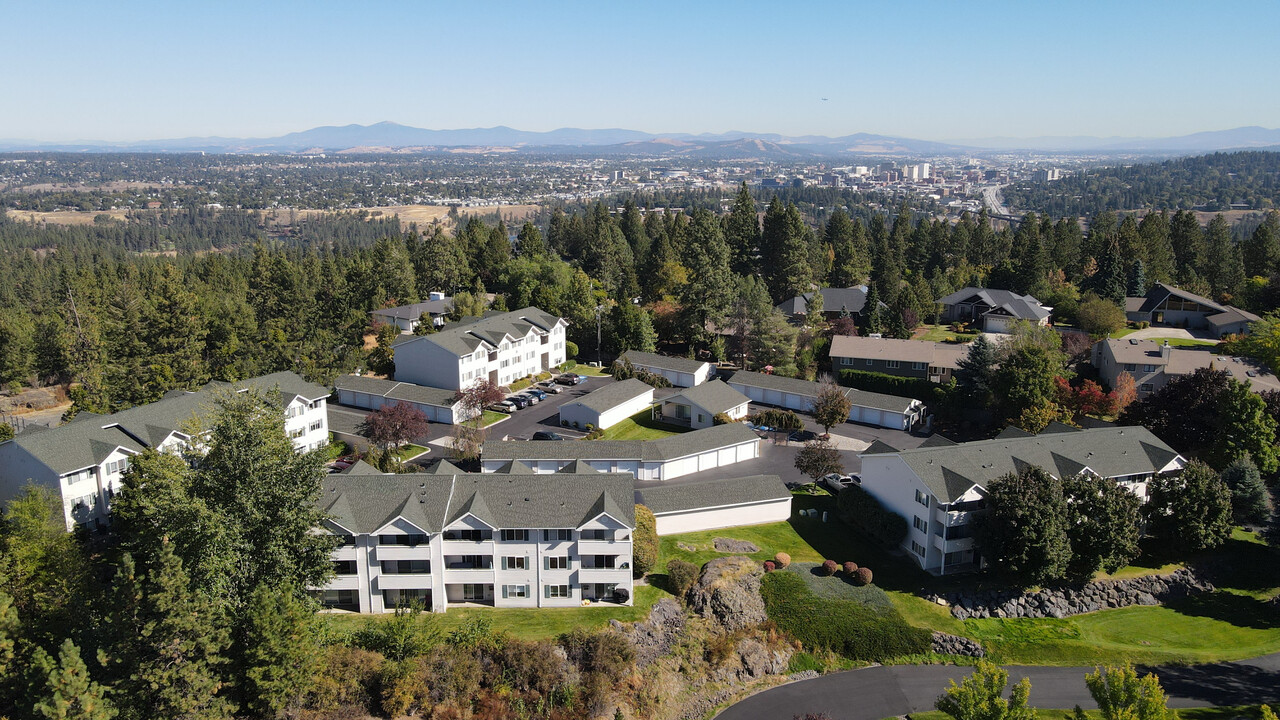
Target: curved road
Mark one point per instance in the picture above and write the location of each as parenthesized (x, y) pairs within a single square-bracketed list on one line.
[(882, 692)]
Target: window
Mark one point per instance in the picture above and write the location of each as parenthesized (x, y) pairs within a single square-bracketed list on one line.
[(596, 535), (473, 592), (406, 567), (515, 591), (296, 433), (410, 540), (920, 524), (870, 361), (345, 540), (922, 498), (560, 562), (344, 567), (917, 366), (1130, 367), (468, 535), (1148, 368), (555, 591), (117, 466), (846, 361), (339, 598), (399, 598), (892, 364), (556, 535), (917, 548), (515, 563), (314, 426), (1147, 387), (515, 536)]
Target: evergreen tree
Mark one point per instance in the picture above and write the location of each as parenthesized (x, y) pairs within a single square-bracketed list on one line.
[(1188, 245), (1161, 262), (64, 690), (742, 233), (279, 651), (706, 296), (630, 328), (1102, 525), (1137, 280), (529, 243), (9, 627), (1024, 531), (849, 264), (1224, 270), (632, 226), (1250, 500), (1109, 280), (1262, 250), (784, 247), (1029, 257)]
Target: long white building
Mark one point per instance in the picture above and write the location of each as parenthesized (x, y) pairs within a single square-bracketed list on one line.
[(501, 347), (938, 488), (83, 460), (449, 538)]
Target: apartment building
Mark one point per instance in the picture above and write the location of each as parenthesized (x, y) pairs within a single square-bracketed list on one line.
[(500, 347), (83, 460), (932, 361), (449, 538), (939, 488), (1152, 364)]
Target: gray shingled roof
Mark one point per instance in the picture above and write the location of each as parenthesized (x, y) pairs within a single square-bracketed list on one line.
[(415, 310), (365, 503), (795, 386), (1110, 452), (662, 362), (1160, 291), (853, 299), (394, 390), (698, 441), (683, 496), (1025, 307), (612, 395), (462, 338), (668, 448), (714, 397)]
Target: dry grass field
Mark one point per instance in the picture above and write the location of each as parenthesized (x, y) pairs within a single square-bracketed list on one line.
[(423, 215), (63, 217)]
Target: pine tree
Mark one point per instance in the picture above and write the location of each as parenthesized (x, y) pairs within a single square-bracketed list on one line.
[(706, 297), (1224, 268), (1137, 279), (1262, 250), (8, 638), (632, 225), (64, 690), (278, 649), (1161, 262), (1188, 244), (742, 233), (785, 251), (1250, 500), (849, 264), (529, 243)]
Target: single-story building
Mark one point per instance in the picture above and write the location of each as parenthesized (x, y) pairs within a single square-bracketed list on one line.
[(697, 406), (370, 393), (609, 405), (835, 301), (408, 317), (869, 408), (712, 505), (933, 361), (995, 311), (664, 459), (1169, 305), (680, 372)]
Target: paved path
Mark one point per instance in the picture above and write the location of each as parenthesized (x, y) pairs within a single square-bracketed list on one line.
[(882, 692)]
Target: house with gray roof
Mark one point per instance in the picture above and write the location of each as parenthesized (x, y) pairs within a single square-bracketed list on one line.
[(663, 459), (714, 504), (698, 406), (609, 405), (680, 372), (1172, 306), (835, 302), (993, 310), (83, 460), (932, 361), (371, 393), (500, 347), (870, 408), (407, 317), (1153, 364), (939, 487), (449, 538)]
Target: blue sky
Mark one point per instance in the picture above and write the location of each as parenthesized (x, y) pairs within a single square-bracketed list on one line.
[(933, 70)]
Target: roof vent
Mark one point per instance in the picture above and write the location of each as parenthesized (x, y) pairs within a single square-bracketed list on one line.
[(1132, 341), (526, 499), (422, 485)]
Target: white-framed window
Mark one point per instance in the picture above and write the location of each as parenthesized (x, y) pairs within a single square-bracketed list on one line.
[(917, 548), (1148, 368), (296, 433), (922, 498), (846, 361), (515, 591), (892, 364), (920, 524), (314, 426), (555, 591), (117, 466), (870, 361), (917, 366), (556, 562), (556, 535), (515, 536), (515, 562), (1130, 367)]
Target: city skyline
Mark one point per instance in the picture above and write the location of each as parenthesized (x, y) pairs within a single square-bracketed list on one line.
[(930, 71)]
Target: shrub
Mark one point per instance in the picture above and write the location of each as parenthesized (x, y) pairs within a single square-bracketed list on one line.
[(721, 419), (348, 676), (862, 576), (862, 510), (769, 566), (850, 628), (780, 419), (850, 567), (590, 427), (828, 568), (681, 574), (921, 389), (570, 351), (521, 384), (644, 549), (782, 559)]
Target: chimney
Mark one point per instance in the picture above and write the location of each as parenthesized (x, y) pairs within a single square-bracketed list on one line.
[(1164, 350), (435, 295)]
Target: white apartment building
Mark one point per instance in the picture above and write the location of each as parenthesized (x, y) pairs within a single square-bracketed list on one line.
[(501, 347), (83, 460), (939, 488), (502, 540)]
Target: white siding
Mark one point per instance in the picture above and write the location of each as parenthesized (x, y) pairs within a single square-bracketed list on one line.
[(697, 520)]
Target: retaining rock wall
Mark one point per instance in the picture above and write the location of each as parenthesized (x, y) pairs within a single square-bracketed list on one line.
[(1066, 601)]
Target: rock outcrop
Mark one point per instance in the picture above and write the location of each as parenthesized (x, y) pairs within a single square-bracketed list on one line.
[(730, 545), (657, 634), (945, 644), (727, 593), (1067, 601)]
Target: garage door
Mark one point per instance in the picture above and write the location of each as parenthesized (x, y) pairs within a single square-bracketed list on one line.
[(747, 451), (870, 416), (797, 402), (683, 380), (727, 456), (708, 461), (680, 468)]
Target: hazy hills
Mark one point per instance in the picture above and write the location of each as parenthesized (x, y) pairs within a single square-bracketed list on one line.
[(390, 136)]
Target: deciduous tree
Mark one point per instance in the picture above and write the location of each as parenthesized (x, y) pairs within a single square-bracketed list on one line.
[(395, 424), (1024, 532), (981, 696), (1189, 512), (819, 457), (1122, 695), (831, 405), (1102, 525)]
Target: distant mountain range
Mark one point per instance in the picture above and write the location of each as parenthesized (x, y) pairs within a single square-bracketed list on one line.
[(393, 137)]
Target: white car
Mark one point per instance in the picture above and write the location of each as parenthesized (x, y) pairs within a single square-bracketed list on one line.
[(835, 482)]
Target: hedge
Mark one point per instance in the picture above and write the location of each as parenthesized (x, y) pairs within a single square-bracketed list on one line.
[(918, 388), (854, 630), (778, 419), (862, 510)]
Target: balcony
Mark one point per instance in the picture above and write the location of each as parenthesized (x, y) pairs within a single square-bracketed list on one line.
[(467, 547), (343, 582), (604, 575), (952, 518), (956, 545), (346, 552), (403, 552), (605, 547), (402, 582)]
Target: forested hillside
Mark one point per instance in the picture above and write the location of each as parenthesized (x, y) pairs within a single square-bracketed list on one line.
[(1211, 183)]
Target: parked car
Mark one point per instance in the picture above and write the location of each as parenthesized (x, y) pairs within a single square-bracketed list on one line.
[(835, 482), (571, 379), (536, 392), (533, 399), (503, 407), (549, 386), (545, 435), (520, 401)]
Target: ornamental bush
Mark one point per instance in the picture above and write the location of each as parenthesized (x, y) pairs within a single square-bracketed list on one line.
[(862, 576), (769, 566), (850, 568), (681, 574), (782, 559), (828, 568), (644, 548)]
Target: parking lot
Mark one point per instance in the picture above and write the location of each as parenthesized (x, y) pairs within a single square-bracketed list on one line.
[(522, 424)]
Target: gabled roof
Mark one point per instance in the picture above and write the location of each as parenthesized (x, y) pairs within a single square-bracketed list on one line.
[(853, 299), (1160, 292), (1024, 307), (936, 440), (934, 354), (415, 310), (394, 390), (663, 362), (614, 394), (879, 447), (680, 497), (1231, 316), (949, 472), (795, 386), (698, 441), (714, 397), (668, 448), (464, 337)]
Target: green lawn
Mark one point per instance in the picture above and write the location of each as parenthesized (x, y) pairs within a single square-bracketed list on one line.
[(527, 623), (493, 417), (641, 426), (1185, 342), (404, 452), (1123, 331), (943, 333), (584, 369)]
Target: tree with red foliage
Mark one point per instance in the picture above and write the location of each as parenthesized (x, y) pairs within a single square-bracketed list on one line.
[(1086, 399), (843, 325), (1123, 394), (479, 396), (468, 436), (392, 425)]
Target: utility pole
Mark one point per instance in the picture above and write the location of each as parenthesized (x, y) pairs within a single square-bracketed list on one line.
[(599, 308)]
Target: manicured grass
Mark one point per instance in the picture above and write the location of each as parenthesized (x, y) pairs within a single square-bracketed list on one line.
[(838, 587), (1185, 342), (1123, 331), (585, 369), (1206, 713), (404, 452), (943, 333), (492, 417), (641, 426), (528, 623)]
